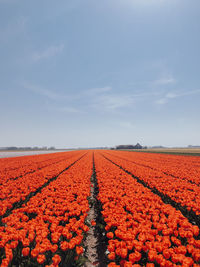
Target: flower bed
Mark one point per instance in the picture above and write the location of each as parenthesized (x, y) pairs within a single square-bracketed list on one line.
[(142, 229), (49, 229)]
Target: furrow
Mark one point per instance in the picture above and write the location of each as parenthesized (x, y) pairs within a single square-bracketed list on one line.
[(30, 172), (19, 204), (92, 238), (190, 215), (152, 168)]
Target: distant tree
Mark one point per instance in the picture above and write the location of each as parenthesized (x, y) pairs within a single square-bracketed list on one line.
[(11, 148)]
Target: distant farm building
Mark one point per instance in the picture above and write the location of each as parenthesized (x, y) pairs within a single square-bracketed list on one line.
[(137, 146)]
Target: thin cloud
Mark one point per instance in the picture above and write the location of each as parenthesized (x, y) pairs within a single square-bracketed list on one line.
[(142, 95), (109, 101), (161, 101), (48, 52), (68, 109), (193, 92), (56, 97), (113, 101), (100, 90), (165, 81), (169, 96), (42, 91)]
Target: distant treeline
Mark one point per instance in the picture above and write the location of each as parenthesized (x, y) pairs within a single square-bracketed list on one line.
[(27, 148)]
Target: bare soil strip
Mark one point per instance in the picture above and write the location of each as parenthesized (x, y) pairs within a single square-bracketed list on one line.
[(190, 215), (19, 204), (97, 242), (91, 241)]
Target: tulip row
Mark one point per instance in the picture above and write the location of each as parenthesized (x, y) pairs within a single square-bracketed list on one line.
[(142, 230), (181, 167), (49, 229), (18, 190), (181, 191), (12, 168)]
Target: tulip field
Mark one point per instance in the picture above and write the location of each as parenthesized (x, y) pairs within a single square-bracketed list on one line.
[(142, 209)]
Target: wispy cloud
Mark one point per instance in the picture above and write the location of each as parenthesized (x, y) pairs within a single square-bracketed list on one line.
[(104, 98), (171, 95), (161, 101), (99, 90), (188, 93), (165, 99), (113, 101), (42, 91), (48, 52), (68, 109), (165, 80), (107, 99)]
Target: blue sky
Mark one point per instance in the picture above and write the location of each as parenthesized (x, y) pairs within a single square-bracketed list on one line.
[(87, 73)]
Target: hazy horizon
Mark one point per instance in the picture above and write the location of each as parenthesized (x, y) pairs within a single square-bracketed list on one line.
[(88, 147), (89, 74)]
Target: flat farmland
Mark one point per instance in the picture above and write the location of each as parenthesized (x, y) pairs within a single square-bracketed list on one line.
[(100, 208), (175, 151)]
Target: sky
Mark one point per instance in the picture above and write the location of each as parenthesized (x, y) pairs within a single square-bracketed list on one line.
[(87, 73)]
